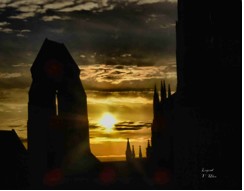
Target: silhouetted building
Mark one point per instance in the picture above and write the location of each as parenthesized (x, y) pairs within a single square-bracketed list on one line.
[(13, 161), (133, 152), (140, 153), (58, 128), (149, 151), (159, 151), (207, 115)]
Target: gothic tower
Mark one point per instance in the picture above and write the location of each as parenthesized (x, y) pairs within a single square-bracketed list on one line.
[(58, 129), (159, 151)]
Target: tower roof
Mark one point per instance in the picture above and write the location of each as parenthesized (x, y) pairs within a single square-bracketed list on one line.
[(128, 148), (163, 91), (54, 60)]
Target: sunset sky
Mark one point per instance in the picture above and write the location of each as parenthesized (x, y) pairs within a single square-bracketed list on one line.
[(121, 47)]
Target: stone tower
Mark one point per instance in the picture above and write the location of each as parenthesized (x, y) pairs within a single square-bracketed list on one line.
[(58, 129)]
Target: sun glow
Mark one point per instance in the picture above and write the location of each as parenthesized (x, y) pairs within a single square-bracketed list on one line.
[(107, 121)]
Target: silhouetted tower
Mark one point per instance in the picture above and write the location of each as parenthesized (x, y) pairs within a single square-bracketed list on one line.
[(159, 150), (155, 101), (163, 92), (133, 152), (128, 152), (169, 91), (156, 119), (58, 135), (149, 150), (140, 153)]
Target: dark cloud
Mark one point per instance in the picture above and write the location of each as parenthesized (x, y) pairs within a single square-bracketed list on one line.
[(125, 126), (125, 77), (124, 30), (14, 80), (109, 35), (121, 131), (93, 126)]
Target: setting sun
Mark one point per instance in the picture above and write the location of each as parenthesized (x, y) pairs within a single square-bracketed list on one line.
[(107, 121)]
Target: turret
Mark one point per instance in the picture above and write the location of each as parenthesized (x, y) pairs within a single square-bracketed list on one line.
[(128, 151), (140, 153), (133, 152), (148, 144), (148, 150), (155, 101), (169, 91), (163, 92)]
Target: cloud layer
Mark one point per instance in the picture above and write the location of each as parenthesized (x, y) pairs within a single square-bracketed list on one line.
[(126, 76)]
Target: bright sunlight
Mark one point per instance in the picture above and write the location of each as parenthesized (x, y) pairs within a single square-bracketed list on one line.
[(107, 121)]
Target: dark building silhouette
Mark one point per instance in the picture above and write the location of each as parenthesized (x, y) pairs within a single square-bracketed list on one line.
[(159, 151), (140, 153), (207, 109), (149, 150), (195, 130), (133, 152), (58, 128), (128, 152), (198, 128), (13, 161)]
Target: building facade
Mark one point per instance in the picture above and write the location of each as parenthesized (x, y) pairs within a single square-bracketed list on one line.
[(58, 129)]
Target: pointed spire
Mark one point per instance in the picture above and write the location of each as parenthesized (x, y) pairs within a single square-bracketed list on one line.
[(155, 100), (163, 91), (133, 152), (156, 93), (140, 153), (128, 150), (148, 150), (165, 94), (169, 91), (128, 145), (155, 89), (148, 144)]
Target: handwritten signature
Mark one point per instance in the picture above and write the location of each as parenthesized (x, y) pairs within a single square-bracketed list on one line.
[(208, 173)]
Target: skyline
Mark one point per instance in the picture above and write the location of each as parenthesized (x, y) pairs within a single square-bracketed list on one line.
[(122, 50)]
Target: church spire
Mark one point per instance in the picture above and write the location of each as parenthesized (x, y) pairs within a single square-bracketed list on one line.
[(140, 153), (148, 150), (128, 151), (163, 91), (155, 100), (169, 91), (133, 152)]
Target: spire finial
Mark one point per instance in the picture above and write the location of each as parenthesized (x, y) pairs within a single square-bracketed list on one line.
[(128, 151), (140, 153), (155, 101), (169, 91), (133, 152), (163, 91), (155, 88)]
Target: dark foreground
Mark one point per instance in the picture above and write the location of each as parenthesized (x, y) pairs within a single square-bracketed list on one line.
[(116, 175)]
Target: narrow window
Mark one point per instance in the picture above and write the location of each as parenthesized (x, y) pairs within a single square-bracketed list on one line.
[(56, 102)]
